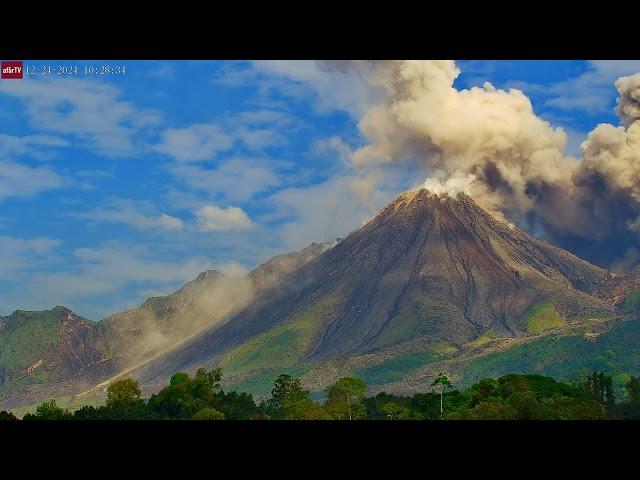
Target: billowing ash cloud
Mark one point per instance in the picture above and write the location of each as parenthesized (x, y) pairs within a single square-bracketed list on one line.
[(628, 108), (490, 143)]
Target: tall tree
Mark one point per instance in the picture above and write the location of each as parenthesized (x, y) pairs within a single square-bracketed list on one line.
[(394, 411), (600, 385), (49, 411), (347, 391), (288, 399), (123, 393), (633, 391), (441, 382)]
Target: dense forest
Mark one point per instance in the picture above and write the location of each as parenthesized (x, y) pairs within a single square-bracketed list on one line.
[(510, 397)]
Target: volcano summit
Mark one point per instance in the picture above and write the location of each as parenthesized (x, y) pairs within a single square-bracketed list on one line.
[(434, 271)]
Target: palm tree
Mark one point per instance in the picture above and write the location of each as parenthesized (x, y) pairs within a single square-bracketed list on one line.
[(442, 381)]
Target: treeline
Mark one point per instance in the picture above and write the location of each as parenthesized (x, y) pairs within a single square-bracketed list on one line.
[(511, 397)]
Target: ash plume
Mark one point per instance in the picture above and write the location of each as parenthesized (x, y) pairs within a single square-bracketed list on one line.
[(490, 143)]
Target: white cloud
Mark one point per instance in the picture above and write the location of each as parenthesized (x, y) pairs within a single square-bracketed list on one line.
[(19, 254), (129, 213), (19, 180), (212, 218), (337, 206), (330, 85), (105, 273), (593, 91), (92, 112), (237, 179), (199, 142), (163, 71), (194, 143), (39, 146)]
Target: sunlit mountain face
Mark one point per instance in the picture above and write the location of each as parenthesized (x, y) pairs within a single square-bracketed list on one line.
[(319, 217)]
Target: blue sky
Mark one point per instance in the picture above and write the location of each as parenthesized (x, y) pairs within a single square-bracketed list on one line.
[(116, 188)]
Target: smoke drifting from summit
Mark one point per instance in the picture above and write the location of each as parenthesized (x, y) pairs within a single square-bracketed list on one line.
[(491, 144)]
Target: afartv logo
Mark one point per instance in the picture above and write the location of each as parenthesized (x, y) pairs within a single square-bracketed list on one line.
[(11, 69)]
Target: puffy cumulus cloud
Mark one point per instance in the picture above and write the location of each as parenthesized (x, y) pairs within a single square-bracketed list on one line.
[(21, 180), (628, 108), (491, 143), (212, 218)]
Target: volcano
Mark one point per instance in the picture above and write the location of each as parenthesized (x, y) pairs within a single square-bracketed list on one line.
[(434, 270)]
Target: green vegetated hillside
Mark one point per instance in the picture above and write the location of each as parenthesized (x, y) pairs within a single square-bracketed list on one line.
[(427, 269), (396, 368), (25, 336), (23, 340), (616, 352), (254, 365), (543, 316), (632, 302)]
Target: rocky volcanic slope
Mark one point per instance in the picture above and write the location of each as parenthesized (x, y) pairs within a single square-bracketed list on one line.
[(52, 352), (435, 272), (162, 321), (49, 346)]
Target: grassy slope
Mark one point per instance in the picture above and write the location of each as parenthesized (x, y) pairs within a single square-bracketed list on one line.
[(616, 352), (396, 368), (631, 301), (25, 338), (67, 401), (258, 362), (541, 317)]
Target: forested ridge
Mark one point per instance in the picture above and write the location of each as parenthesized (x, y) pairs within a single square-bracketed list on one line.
[(510, 397)]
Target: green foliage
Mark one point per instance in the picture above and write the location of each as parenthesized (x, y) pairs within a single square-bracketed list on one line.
[(49, 411), (25, 337), (124, 400), (396, 368), (178, 378), (279, 348), (395, 411), (185, 396), (543, 316), (260, 382), (442, 381), (633, 391), (89, 412), (510, 397), (344, 399), (236, 406), (629, 409), (7, 416), (631, 304), (289, 401), (614, 352), (600, 386), (208, 413), (123, 393), (527, 397)]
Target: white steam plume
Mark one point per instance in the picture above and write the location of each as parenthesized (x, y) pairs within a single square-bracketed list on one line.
[(491, 144)]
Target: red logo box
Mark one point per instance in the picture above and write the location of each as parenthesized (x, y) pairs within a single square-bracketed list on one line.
[(11, 69)]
